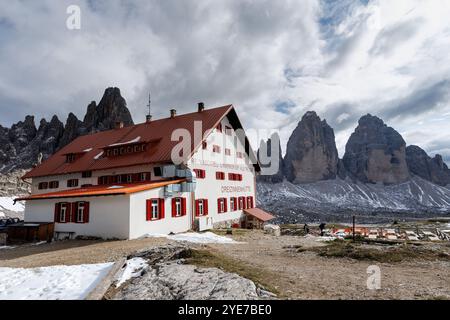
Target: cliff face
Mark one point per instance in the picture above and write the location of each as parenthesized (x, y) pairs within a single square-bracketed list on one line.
[(311, 153), (431, 169), (376, 153), (21, 144)]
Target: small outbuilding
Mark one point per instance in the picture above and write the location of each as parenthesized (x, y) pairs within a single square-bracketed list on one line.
[(255, 218)]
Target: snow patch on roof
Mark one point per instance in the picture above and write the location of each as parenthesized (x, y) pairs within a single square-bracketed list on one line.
[(98, 156), (135, 140), (87, 150), (116, 187)]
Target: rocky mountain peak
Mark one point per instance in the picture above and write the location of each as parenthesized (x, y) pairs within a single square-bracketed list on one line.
[(376, 153), (311, 153), (431, 169), (21, 144)]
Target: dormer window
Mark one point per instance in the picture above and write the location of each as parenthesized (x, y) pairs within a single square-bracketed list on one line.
[(114, 151), (70, 157)]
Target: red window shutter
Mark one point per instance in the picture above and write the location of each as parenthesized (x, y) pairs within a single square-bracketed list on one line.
[(148, 215), (183, 206), (68, 211), (73, 216), (205, 207), (225, 201), (197, 208), (86, 212), (57, 210), (219, 206), (174, 207), (161, 209)]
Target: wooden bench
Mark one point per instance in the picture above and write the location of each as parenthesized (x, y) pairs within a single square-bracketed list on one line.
[(69, 234)]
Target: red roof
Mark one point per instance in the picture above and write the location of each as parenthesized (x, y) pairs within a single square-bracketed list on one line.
[(157, 133), (109, 190), (259, 214)]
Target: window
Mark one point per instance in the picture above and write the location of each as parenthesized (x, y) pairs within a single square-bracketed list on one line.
[(54, 184), (43, 185), (157, 171), (234, 177), (228, 131), (72, 183), (249, 202), (129, 178), (219, 127), (222, 205), (227, 152), (116, 152), (241, 203), (201, 207), (103, 180), (118, 179), (143, 176), (80, 212), (62, 212), (240, 155), (200, 173), (178, 207), (220, 175), (233, 204), (204, 145), (155, 209), (216, 148), (86, 174), (70, 158)]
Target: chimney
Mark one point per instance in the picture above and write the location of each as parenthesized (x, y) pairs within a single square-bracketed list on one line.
[(148, 118), (173, 113), (201, 107), (118, 125)]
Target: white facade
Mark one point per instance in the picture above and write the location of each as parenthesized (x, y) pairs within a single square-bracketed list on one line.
[(124, 216)]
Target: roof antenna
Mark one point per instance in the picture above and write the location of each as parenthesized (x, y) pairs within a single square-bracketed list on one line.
[(149, 115)]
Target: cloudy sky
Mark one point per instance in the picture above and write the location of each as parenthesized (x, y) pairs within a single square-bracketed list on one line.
[(274, 60)]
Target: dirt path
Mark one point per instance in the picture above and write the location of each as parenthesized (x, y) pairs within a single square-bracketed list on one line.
[(73, 252), (306, 275)]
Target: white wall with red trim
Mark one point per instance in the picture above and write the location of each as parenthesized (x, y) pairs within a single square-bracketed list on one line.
[(140, 225), (211, 162), (108, 216)]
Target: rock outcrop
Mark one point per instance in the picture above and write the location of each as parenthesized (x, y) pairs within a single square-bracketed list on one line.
[(167, 277), (21, 145), (271, 168), (431, 169), (376, 153), (311, 153)]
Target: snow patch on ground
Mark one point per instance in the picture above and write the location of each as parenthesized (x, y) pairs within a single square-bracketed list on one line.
[(7, 203), (133, 269), (51, 283), (6, 247), (207, 237)]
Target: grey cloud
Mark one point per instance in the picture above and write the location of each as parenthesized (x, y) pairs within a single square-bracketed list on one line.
[(391, 36), (424, 99)]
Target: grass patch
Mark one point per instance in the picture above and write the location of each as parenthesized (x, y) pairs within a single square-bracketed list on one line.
[(207, 259), (342, 249)]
